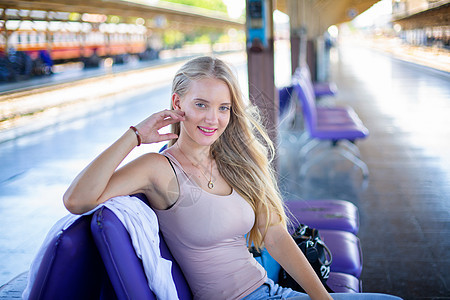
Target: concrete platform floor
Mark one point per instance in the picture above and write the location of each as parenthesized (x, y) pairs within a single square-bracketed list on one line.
[(405, 203)]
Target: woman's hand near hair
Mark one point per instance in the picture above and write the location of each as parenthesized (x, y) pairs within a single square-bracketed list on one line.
[(100, 181), (148, 129), (282, 247)]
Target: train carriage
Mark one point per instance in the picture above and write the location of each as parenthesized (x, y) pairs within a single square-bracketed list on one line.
[(32, 48)]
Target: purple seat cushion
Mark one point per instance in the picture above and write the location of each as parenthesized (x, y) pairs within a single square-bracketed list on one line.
[(123, 266), (72, 267), (324, 89), (325, 214), (344, 283), (332, 131), (346, 250), (325, 128), (342, 116)]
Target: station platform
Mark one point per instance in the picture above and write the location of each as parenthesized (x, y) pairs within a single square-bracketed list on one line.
[(404, 204)]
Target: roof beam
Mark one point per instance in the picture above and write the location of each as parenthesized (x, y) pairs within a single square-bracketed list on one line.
[(129, 8)]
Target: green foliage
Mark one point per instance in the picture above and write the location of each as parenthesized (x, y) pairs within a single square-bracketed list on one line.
[(216, 5), (173, 38), (201, 35), (202, 39)]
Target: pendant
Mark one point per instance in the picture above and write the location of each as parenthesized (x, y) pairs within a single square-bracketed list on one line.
[(210, 185)]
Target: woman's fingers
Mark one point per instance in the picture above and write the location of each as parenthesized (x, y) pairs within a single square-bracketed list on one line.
[(170, 117), (150, 126), (176, 114), (167, 137), (167, 122), (155, 120)]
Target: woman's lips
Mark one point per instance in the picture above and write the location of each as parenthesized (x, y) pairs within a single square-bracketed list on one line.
[(206, 130)]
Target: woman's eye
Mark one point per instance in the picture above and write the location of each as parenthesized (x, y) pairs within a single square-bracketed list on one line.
[(201, 105), (225, 108)]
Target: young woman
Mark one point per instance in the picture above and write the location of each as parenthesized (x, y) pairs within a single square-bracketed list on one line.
[(212, 186)]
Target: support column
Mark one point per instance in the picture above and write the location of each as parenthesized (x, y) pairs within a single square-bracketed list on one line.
[(295, 33), (4, 31), (311, 57), (262, 87), (295, 50), (260, 55), (304, 27)]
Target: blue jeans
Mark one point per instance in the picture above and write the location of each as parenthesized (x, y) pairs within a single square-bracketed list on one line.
[(271, 291)]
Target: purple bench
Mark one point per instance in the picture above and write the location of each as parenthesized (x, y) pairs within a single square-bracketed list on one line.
[(332, 124), (94, 259), (338, 222), (72, 267), (346, 250), (320, 88), (325, 214), (124, 268), (344, 283)]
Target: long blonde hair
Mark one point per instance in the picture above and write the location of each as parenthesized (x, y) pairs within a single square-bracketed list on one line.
[(244, 152)]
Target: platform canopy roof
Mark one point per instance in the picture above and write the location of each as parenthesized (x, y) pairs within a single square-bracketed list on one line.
[(322, 13), (437, 14), (131, 8)]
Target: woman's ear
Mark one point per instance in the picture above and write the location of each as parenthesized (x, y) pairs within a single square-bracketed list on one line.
[(176, 101)]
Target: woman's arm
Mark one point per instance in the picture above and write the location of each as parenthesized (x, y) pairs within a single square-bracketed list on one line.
[(282, 247), (100, 181)]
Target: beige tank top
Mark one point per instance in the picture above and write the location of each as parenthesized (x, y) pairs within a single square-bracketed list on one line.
[(206, 235)]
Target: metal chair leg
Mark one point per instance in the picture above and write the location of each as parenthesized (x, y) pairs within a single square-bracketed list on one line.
[(344, 153)]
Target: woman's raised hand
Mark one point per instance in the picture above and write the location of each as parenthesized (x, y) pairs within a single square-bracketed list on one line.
[(148, 129)]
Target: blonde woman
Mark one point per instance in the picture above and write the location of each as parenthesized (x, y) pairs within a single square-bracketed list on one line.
[(212, 186)]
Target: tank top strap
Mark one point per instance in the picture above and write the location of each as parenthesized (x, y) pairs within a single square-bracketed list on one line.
[(179, 171), (189, 191)]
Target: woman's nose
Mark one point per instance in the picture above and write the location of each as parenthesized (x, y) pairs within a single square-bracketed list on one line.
[(212, 116)]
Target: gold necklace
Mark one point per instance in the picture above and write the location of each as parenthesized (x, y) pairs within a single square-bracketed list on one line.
[(210, 183)]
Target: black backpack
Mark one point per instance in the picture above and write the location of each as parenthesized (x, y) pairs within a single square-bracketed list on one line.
[(317, 253)]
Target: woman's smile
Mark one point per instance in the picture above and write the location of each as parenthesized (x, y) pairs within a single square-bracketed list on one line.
[(207, 131)]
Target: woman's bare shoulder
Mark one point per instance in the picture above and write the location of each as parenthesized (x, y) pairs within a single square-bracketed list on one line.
[(153, 161), (163, 189), (152, 156), (156, 165)]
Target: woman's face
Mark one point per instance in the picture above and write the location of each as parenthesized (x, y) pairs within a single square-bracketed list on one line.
[(207, 106)]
